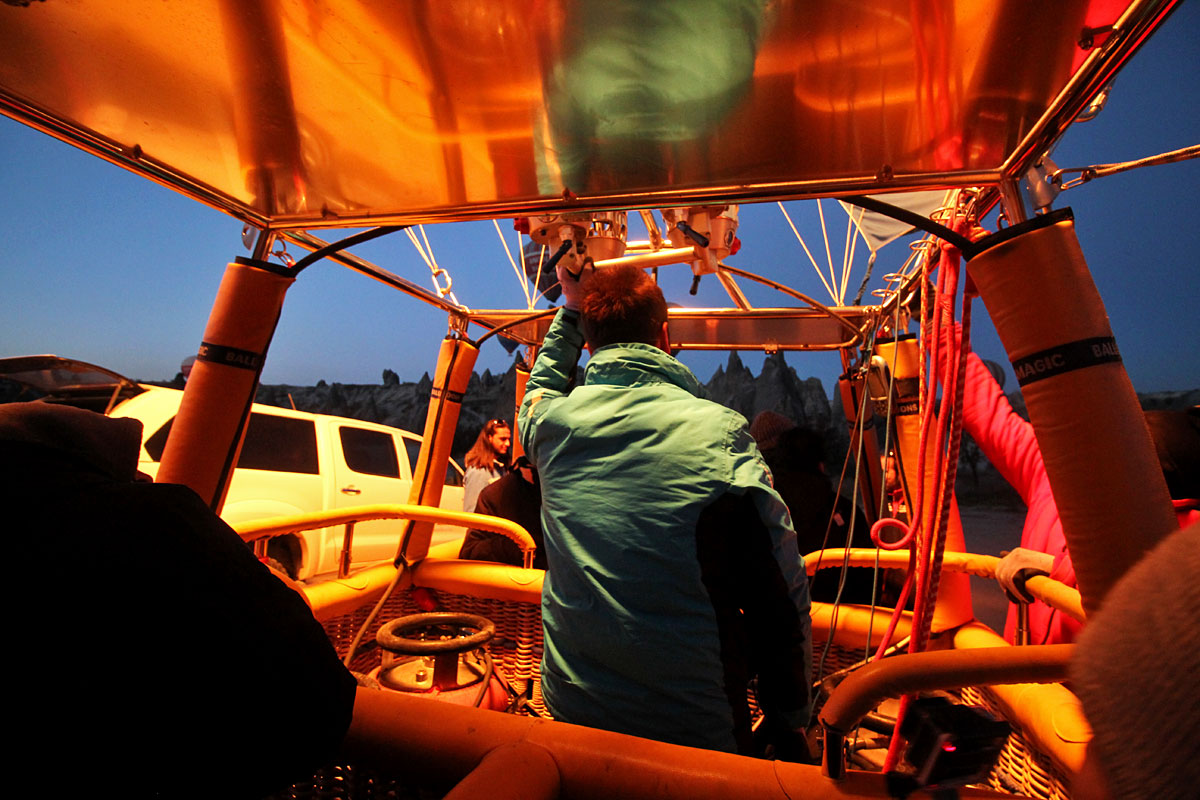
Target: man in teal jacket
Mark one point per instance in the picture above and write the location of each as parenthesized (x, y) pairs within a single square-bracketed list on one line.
[(673, 573)]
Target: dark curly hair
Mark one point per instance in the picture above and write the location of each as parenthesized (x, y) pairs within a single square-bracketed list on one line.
[(622, 304)]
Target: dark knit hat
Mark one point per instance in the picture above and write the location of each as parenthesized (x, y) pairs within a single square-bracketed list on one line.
[(768, 426), (1135, 670), (107, 444)]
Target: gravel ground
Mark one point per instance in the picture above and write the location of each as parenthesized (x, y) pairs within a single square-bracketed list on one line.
[(990, 530)]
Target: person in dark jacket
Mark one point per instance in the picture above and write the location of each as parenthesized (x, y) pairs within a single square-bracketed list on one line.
[(517, 497), (820, 516), (169, 661)]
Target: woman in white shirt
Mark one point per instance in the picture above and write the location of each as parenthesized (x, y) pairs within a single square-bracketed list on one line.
[(485, 460)]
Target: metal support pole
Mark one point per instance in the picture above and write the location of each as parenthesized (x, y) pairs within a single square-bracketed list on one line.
[(1010, 198), (1022, 623), (519, 395), (347, 545)]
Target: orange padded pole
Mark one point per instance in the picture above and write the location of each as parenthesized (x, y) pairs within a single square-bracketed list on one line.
[(520, 771), (456, 359), (1101, 462), (943, 669), (1047, 714), (1049, 591), (863, 689), (206, 436)]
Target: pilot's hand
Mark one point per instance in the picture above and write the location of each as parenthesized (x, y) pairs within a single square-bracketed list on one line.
[(573, 283), (1019, 565)]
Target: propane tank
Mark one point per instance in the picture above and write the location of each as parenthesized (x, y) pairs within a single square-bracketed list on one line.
[(441, 656)]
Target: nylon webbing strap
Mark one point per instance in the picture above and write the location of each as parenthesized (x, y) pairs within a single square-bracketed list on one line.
[(229, 356), (454, 397), (1066, 358)]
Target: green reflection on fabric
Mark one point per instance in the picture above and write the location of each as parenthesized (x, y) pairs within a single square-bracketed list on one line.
[(637, 76)]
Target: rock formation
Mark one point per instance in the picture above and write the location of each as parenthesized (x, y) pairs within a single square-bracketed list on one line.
[(776, 388), (488, 396)]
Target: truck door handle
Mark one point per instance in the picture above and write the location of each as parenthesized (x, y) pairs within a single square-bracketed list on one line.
[(351, 489)]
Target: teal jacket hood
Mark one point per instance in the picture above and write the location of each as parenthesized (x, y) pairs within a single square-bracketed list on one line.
[(636, 364)]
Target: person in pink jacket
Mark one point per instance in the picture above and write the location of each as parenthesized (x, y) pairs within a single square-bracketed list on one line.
[(1009, 443)]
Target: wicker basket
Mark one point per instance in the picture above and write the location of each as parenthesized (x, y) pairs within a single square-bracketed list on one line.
[(516, 650)]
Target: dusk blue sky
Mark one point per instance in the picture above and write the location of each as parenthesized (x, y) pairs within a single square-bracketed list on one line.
[(107, 267)]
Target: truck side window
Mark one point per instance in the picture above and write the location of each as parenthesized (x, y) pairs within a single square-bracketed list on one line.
[(454, 475), (157, 442), (369, 452), (281, 444), (412, 447)]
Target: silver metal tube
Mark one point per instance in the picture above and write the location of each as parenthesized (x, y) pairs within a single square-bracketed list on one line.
[(658, 258), (347, 544)]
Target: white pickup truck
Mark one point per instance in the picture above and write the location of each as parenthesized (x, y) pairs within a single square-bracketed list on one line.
[(291, 462)]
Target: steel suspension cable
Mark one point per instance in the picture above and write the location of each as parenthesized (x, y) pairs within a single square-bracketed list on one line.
[(947, 461), (837, 599), (847, 257), (426, 253), (883, 493), (915, 503), (520, 273), (1103, 170), (807, 252), (923, 532), (828, 255)]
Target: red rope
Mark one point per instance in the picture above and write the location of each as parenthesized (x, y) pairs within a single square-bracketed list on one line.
[(933, 433), (952, 397), (946, 436)]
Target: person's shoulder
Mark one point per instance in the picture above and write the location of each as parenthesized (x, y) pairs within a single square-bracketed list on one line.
[(714, 422), (500, 485), (726, 432), (163, 498), (727, 417)]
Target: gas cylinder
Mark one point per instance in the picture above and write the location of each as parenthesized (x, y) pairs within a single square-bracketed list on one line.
[(442, 656)]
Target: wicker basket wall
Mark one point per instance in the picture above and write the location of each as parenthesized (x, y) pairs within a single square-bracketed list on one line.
[(1021, 769), (517, 650)]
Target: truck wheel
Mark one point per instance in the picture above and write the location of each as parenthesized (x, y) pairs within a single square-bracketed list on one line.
[(283, 556), (278, 567)]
